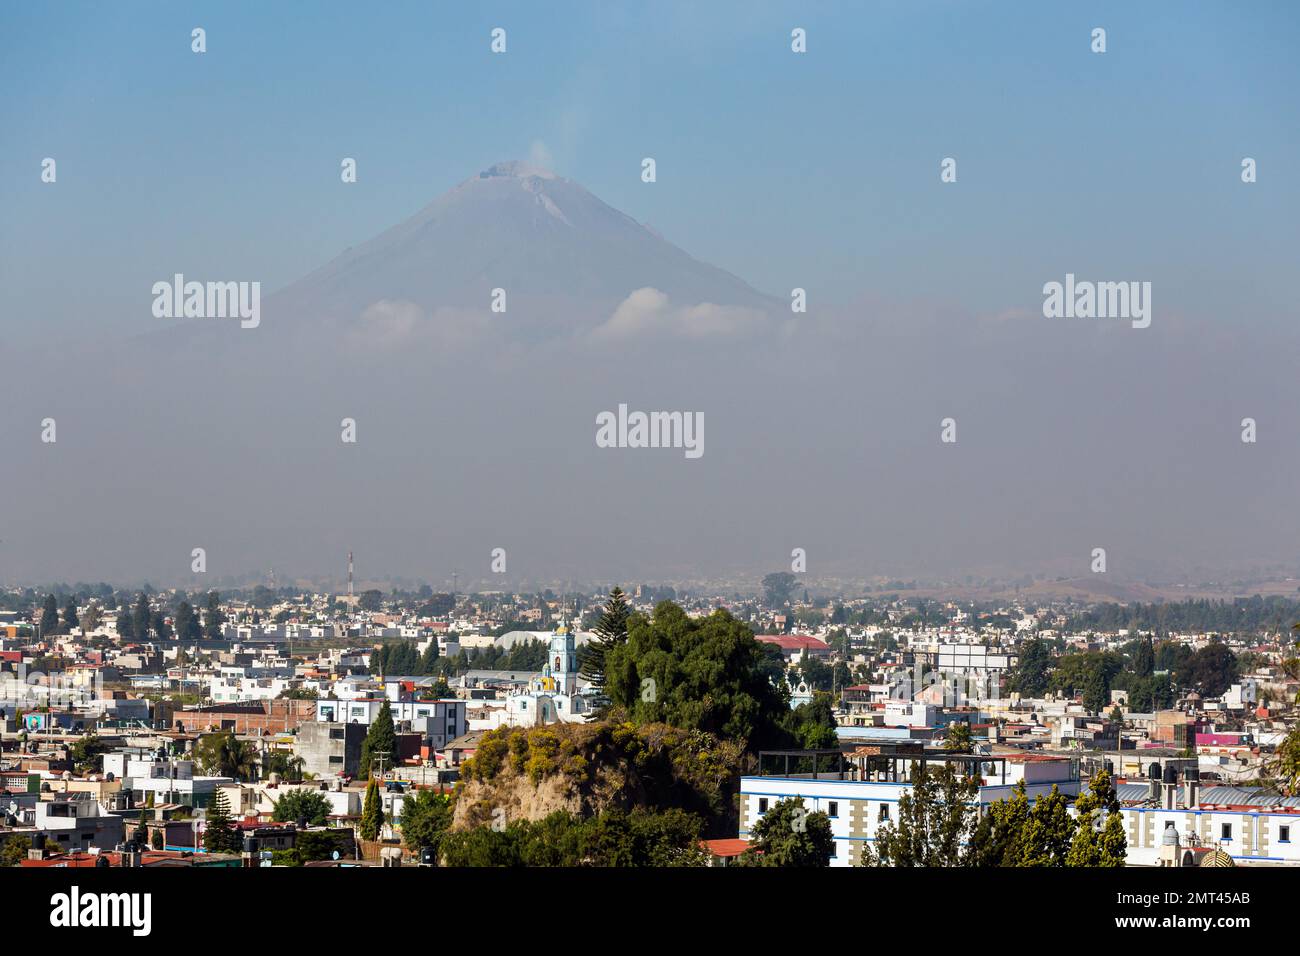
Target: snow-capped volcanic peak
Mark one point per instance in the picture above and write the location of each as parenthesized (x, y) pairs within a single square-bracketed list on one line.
[(565, 258)]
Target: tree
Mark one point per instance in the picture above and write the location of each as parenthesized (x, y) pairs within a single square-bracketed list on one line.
[(50, 616), (371, 600), (125, 623), (998, 837), (286, 765), (426, 816), (788, 835), (381, 740), (777, 588), (812, 725), (213, 618), (1210, 670), (1048, 832), (429, 659), (1093, 845), (143, 617), (70, 620), (1144, 658), (158, 623), (611, 632), (1094, 691), (612, 838), (187, 623), (296, 805), (698, 674), (87, 752), (372, 812), (15, 849), (219, 835), (1285, 765), (935, 817), (959, 738), (224, 755), (91, 618), (1031, 675)]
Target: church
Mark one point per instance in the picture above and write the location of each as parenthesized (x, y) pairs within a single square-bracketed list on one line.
[(553, 695)]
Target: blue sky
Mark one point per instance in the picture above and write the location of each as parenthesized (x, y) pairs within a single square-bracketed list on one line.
[(818, 170)]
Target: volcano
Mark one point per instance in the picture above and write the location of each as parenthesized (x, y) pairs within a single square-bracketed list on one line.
[(565, 259)]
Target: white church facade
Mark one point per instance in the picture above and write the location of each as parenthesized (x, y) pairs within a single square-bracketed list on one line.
[(552, 696)]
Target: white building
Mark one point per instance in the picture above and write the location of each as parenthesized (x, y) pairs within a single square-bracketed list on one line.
[(862, 795), (232, 684), (77, 822), (166, 779), (552, 696), (440, 721)]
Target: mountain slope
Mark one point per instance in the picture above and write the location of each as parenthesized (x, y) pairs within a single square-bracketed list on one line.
[(565, 258)]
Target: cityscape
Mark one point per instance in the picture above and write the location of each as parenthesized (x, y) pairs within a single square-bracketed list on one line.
[(275, 726)]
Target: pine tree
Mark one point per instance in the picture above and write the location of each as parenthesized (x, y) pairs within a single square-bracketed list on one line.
[(70, 619), (219, 835), (125, 623), (143, 617), (50, 616), (187, 623), (611, 631), (381, 739), (1144, 661), (429, 659), (213, 619), (372, 812)]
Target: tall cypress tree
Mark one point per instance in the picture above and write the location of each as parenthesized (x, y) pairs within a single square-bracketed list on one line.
[(429, 659), (372, 812), (143, 617), (611, 631), (218, 834), (125, 622), (381, 738), (50, 616), (213, 619), (70, 619)]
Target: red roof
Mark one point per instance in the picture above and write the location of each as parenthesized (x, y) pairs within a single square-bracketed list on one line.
[(727, 847)]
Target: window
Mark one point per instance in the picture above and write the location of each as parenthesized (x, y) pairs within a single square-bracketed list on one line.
[(1284, 835), (884, 812), (762, 804), (833, 809), (1225, 831), (835, 848)]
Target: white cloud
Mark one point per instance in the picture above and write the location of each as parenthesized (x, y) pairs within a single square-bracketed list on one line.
[(648, 312), (539, 154), (397, 324)]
